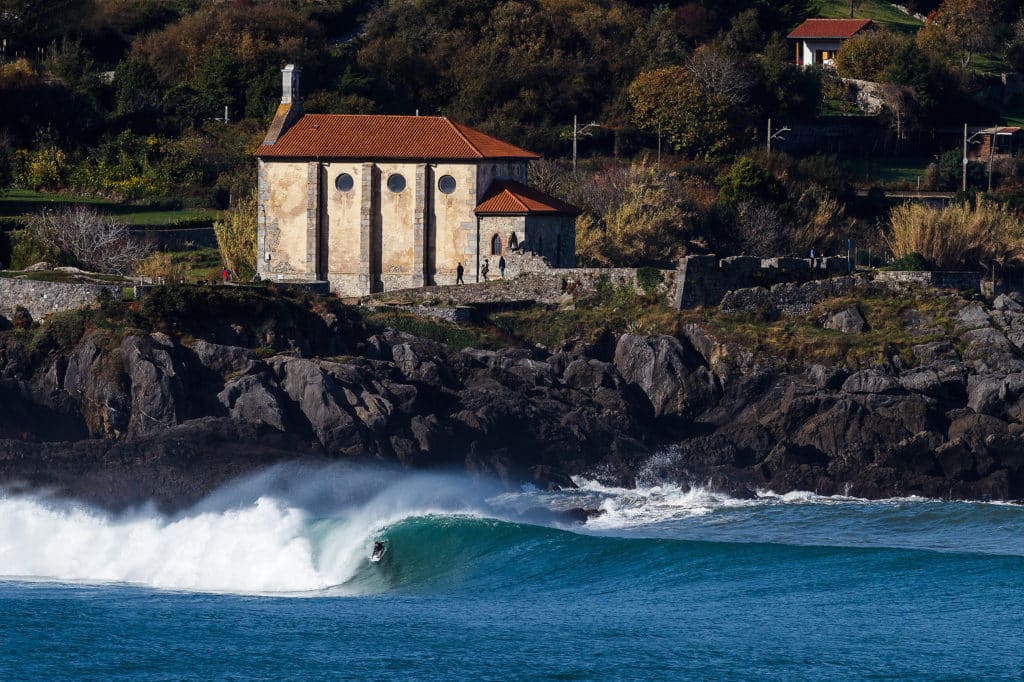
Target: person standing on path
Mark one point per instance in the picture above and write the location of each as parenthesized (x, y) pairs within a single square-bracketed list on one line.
[(501, 267), (459, 271), (485, 268)]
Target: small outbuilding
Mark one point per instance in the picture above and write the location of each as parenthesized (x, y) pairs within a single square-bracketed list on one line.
[(818, 40)]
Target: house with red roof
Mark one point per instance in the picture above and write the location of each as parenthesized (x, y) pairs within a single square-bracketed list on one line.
[(372, 203), (818, 40)]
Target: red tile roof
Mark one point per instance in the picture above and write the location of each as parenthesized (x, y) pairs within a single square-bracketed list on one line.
[(373, 137), (829, 28), (508, 197)]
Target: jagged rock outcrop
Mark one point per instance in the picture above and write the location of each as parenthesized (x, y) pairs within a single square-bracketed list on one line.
[(171, 416)]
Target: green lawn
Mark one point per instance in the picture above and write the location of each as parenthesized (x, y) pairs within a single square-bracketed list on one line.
[(879, 11), (895, 173), (200, 264), (19, 202)]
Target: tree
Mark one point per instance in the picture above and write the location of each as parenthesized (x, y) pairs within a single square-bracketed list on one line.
[(958, 28), (671, 101), (717, 72), (854, 5), (96, 241), (869, 56), (633, 215)]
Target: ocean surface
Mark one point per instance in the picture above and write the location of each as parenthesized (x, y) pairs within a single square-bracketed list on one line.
[(270, 579)]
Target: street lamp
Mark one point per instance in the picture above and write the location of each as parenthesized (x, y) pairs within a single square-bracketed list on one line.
[(777, 135)]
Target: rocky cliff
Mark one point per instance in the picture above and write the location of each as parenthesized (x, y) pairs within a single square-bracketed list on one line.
[(120, 415)]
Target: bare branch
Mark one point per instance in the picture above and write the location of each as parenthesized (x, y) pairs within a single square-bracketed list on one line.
[(99, 242)]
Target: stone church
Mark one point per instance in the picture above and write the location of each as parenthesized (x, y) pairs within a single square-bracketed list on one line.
[(371, 203)]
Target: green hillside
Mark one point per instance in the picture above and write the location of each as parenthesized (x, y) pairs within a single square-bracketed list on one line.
[(879, 11)]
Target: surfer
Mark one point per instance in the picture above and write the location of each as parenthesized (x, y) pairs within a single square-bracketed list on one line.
[(378, 551)]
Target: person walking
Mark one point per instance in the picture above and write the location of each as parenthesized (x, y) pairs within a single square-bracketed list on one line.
[(501, 267), (485, 268), (459, 271)]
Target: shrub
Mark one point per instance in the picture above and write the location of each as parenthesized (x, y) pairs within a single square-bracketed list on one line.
[(27, 249), (99, 242), (21, 319), (914, 262), (161, 267), (957, 235), (236, 238), (649, 279)]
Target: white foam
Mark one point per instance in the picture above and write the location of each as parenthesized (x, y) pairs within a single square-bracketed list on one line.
[(313, 532)]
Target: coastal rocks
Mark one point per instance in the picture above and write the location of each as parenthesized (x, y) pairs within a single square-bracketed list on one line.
[(849, 321), (158, 395), (670, 376)]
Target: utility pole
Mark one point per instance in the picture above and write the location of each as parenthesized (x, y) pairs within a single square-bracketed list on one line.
[(991, 152), (575, 133), (769, 137), (658, 166), (964, 183)]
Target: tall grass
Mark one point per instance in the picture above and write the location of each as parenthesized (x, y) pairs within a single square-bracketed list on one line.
[(236, 238), (958, 235)]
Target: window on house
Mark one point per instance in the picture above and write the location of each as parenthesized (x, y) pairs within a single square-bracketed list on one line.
[(344, 182), (396, 182), (446, 184), (495, 245)]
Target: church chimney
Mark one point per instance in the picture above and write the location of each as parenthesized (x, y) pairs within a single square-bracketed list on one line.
[(290, 109), (290, 84)]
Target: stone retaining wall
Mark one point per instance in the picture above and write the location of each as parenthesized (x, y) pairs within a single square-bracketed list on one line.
[(551, 286), (961, 281), (43, 298), (705, 280)]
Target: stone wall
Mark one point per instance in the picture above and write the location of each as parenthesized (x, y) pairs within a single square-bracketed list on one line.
[(961, 281), (43, 298), (705, 280), (542, 286)]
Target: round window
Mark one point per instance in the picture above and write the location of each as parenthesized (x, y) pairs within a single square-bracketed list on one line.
[(344, 182), (446, 184), (396, 183)]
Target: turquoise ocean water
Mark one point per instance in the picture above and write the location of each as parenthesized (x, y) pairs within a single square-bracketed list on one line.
[(270, 579)]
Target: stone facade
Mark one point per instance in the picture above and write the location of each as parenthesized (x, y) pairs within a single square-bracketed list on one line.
[(405, 214)]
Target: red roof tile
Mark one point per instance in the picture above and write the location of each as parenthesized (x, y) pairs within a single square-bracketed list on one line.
[(829, 28), (508, 197), (370, 137)]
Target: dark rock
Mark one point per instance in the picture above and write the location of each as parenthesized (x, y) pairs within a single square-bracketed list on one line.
[(670, 376), (253, 400), (973, 316), (1004, 302), (870, 381), (848, 321)]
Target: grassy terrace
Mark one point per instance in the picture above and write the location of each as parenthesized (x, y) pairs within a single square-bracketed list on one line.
[(896, 324), (879, 11), (20, 202), (900, 172)]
